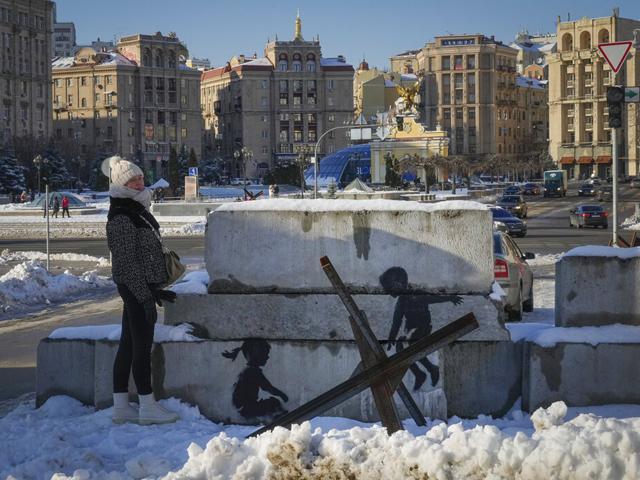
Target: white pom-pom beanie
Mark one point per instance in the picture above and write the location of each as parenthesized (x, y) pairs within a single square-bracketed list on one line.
[(122, 170)]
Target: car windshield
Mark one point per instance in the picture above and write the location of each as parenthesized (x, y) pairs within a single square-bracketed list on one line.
[(589, 208), (587, 185), (530, 185), (511, 199), (497, 244), (606, 189), (501, 213)]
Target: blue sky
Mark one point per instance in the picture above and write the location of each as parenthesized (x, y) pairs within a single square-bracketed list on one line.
[(376, 29)]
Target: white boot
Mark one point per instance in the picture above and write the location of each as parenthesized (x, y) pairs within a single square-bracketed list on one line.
[(151, 412), (122, 410)]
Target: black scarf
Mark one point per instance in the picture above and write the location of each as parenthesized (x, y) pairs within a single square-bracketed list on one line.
[(134, 210)]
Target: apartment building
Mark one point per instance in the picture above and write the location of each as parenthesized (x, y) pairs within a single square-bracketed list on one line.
[(579, 77), (138, 101), (25, 46), (277, 106)]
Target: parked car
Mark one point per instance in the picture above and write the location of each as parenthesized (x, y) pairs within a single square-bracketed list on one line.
[(515, 204), (622, 178), (513, 190), (588, 215), (586, 189), (595, 181), (503, 221), (531, 189), (239, 181), (635, 182), (605, 193), (513, 274)]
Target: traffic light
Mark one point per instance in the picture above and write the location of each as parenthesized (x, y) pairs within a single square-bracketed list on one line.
[(615, 99)]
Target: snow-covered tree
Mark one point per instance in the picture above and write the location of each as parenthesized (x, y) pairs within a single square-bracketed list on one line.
[(174, 170), (332, 188), (12, 174), (55, 171), (98, 181), (183, 161), (210, 170), (193, 158)]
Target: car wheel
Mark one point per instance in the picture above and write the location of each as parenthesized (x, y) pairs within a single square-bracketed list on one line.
[(521, 235), (515, 312), (580, 226), (527, 305)]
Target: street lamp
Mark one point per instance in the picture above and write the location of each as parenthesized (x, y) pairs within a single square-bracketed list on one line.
[(37, 161), (244, 154)]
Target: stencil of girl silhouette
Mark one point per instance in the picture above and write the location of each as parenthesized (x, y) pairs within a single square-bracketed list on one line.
[(415, 310), (251, 380)]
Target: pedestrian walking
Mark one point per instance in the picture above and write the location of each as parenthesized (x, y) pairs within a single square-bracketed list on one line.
[(56, 207), (65, 206), (23, 197), (138, 269)]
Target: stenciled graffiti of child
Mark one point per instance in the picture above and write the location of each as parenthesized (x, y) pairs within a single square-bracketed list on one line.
[(251, 380), (415, 310)]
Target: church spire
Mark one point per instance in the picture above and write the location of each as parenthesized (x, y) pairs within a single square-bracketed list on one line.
[(298, 26)]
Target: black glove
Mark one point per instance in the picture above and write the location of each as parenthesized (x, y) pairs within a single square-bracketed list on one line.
[(150, 312), (167, 295)]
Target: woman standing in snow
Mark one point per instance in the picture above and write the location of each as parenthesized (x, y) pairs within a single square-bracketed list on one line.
[(138, 269)]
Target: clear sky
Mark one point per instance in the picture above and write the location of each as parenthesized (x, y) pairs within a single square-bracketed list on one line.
[(375, 29)]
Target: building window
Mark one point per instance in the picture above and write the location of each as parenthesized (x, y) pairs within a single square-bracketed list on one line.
[(471, 61), (265, 134), (330, 101), (446, 63), (282, 65), (446, 98), (97, 98), (283, 86), (331, 117), (183, 99), (459, 133), (69, 82), (330, 85), (459, 113), (107, 78), (70, 100), (297, 66), (332, 134), (446, 79), (446, 113), (284, 99), (265, 150), (264, 118), (83, 102), (184, 133), (57, 82), (472, 131), (472, 113), (311, 66)]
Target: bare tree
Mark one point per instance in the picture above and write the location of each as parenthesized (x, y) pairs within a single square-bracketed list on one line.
[(455, 164), (493, 162), (428, 164)]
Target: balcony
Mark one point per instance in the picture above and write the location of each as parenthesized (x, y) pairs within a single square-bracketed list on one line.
[(571, 97), (501, 85), (571, 128), (588, 126), (459, 84), (511, 86), (606, 81), (570, 84), (588, 111), (588, 83)]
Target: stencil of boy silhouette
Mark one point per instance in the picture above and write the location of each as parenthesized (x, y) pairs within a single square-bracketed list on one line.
[(251, 380), (414, 309)]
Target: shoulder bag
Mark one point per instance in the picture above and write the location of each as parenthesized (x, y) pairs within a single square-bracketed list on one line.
[(174, 268)]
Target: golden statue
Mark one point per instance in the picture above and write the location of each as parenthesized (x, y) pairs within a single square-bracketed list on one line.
[(408, 94)]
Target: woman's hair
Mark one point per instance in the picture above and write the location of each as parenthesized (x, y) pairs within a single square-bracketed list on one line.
[(252, 348), (394, 280)]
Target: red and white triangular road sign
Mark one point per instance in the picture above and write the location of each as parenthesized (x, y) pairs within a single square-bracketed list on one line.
[(615, 53)]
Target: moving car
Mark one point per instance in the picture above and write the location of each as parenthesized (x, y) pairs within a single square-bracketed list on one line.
[(595, 181), (531, 189), (513, 274), (635, 182), (588, 215), (515, 204), (586, 189), (239, 181), (605, 193), (503, 221), (513, 190)]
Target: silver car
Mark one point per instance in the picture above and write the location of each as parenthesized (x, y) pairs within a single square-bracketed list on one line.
[(513, 274)]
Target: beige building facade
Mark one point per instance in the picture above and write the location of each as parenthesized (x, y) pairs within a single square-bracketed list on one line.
[(276, 106), (138, 101), (579, 76), (25, 46)]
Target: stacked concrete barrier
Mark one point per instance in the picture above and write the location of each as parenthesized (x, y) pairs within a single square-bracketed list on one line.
[(276, 335), (591, 357)]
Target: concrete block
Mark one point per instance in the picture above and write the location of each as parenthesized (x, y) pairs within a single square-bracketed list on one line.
[(481, 377), (597, 290), (181, 209), (65, 367), (324, 317), (580, 374), (275, 247)]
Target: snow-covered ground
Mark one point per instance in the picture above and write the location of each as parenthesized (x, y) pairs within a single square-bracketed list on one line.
[(66, 440)]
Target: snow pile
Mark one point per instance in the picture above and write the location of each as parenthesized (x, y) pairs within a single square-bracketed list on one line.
[(162, 333), (9, 256), (30, 283), (65, 440), (191, 229)]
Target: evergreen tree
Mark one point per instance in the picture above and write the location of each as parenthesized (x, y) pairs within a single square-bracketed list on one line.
[(55, 172), (193, 158), (210, 170), (174, 170), (183, 161), (11, 172), (98, 181), (392, 178), (332, 188)]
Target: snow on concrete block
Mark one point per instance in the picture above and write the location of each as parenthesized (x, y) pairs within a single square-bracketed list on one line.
[(275, 246)]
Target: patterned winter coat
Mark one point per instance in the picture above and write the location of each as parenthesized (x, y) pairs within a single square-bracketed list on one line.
[(137, 259)]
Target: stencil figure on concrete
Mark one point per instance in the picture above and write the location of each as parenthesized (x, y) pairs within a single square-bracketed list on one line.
[(414, 310), (252, 380)]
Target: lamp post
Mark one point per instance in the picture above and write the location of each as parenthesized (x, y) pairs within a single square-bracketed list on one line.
[(245, 155), (301, 160), (37, 162)]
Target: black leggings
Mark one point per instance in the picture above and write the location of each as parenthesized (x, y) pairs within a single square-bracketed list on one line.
[(134, 351)]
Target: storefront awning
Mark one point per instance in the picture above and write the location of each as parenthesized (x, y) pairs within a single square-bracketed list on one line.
[(585, 160), (603, 160), (567, 160)]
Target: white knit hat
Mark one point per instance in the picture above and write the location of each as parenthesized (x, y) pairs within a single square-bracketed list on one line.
[(122, 170)]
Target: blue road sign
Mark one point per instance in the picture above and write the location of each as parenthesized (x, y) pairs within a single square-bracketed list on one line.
[(193, 171)]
